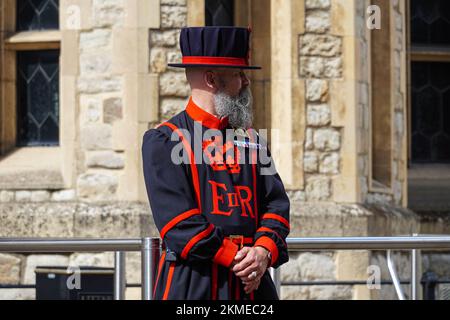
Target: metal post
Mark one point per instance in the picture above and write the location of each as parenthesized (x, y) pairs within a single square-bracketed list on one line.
[(119, 275), (413, 274), (276, 277), (150, 253), (414, 266)]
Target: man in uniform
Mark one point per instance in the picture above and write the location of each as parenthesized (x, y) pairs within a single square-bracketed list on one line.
[(223, 221)]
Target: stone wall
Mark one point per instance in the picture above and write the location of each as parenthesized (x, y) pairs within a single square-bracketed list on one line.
[(313, 267), (363, 90), (320, 60), (400, 107), (396, 193), (100, 93), (164, 44)]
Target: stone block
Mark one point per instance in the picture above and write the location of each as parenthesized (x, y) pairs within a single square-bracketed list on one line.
[(112, 110), (173, 2), (64, 195), (40, 196), (310, 162), (10, 266), (312, 67), (329, 163), (318, 21), (6, 196), (173, 84), (166, 38), (86, 259), (158, 60), (23, 196), (171, 106), (320, 45), (95, 63), (333, 68), (91, 85), (309, 144), (17, 294), (317, 90), (94, 40), (96, 137), (318, 4), (108, 13), (16, 220), (318, 115), (318, 188), (105, 159), (97, 186), (120, 220), (173, 17), (53, 220), (327, 139)]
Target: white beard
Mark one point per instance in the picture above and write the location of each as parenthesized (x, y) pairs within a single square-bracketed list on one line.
[(239, 110)]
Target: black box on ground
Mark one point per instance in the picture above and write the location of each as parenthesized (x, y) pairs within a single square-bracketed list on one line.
[(68, 283)]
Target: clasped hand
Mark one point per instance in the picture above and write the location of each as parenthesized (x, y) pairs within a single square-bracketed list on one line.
[(249, 265)]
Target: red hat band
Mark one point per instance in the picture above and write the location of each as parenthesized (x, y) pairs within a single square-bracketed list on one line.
[(230, 61)]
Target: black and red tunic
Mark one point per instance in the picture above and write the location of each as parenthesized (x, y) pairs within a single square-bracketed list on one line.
[(199, 207)]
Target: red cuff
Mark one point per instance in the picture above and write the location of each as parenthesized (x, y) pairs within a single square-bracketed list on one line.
[(226, 253), (270, 245)]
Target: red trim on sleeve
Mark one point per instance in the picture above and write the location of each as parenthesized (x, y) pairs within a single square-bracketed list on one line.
[(278, 218), (226, 253), (178, 219), (270, 245), (196, 239), (187, 146), (265, 229)]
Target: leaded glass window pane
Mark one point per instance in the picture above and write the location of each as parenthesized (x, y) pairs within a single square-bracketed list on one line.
[(38, 98), (430, 91), (219, 12), (37, 15), (430, 22)]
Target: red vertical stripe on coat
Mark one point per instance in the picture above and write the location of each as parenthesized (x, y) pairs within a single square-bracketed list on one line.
[(214, 281), (230, 282), (187, 146), (161, 263), (169, 280), (238, 289), (254, 162)]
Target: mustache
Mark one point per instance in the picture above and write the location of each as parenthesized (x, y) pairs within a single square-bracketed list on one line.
[(239, 109)]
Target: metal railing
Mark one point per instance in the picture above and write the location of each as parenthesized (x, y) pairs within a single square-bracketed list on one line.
[(413, 244), (150, 253), (149, 248)]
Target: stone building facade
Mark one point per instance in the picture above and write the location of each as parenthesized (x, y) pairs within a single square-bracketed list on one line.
[(332, 92)]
